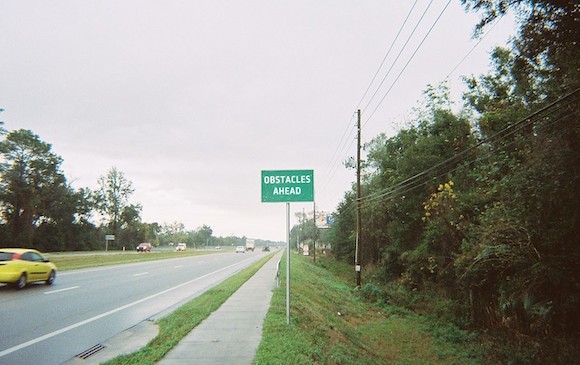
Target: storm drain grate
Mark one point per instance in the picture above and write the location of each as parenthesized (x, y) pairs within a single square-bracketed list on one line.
[(90, 352)]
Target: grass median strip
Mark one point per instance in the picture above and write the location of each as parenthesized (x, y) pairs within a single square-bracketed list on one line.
[(66, 262), (174, 327)]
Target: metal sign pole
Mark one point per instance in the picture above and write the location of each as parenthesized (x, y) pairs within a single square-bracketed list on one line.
[(288, 263)]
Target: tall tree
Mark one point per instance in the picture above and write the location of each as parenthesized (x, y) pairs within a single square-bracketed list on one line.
[(546, 45), (2, 129), (203, 234), (342, 232), (113, 198), (519, 260), (174, 232), (32, 185), (131, 231), (150, 232)]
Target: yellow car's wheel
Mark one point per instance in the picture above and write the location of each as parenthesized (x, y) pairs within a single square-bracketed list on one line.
[(51, 277), (21, 282)]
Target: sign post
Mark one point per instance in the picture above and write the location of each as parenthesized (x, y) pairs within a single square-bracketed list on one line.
[(287, 263), (108, 237), (287, 186)]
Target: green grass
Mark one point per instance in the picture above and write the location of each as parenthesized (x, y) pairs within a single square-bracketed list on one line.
[(66, 262), (331, 323), (178, 324)]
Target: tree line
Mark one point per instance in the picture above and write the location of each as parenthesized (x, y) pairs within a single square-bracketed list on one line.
[(39, 208), (481, 205)]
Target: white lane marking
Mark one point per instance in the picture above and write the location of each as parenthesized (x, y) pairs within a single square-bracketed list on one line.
[(177, 267), (103, 315), (83, 271), (61, 290), (141, 273)]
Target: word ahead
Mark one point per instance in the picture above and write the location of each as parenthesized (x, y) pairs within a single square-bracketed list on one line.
[(287, 186)]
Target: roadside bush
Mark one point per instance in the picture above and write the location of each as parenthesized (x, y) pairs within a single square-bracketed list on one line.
[(451, 311), (371, 293)]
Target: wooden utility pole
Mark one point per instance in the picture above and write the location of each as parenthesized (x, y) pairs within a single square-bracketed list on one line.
[(357, 255)]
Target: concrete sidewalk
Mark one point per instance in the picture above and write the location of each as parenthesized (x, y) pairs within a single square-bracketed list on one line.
[(231, 334)]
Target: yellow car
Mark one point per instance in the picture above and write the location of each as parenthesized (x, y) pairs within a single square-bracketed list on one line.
[(20, 266)]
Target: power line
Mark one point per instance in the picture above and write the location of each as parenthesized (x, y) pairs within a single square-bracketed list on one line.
[(407, 64), (334, 163), (388, 53), (422, 177), (399, 55), (504, 133), (418, 183), (475, 46), (424, 38), (344, 144)]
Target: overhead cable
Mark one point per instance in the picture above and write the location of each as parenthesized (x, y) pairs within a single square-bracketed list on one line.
[(398, 55), (389, 52), (407, 64), (422, 177)]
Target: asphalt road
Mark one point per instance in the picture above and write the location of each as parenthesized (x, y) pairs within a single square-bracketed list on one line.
[(52, 324)]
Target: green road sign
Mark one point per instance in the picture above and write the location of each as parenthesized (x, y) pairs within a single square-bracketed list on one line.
[(286, 186)]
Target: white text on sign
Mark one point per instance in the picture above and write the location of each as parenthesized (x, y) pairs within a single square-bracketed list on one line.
[(292, 179), (287, 191)]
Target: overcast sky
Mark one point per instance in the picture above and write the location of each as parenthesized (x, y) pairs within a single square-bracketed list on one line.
[(191, 100)]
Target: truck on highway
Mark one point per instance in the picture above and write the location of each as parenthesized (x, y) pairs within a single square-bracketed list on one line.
[(250, 244)]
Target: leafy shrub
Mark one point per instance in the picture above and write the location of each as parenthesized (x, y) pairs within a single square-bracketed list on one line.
[(371, 292)]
